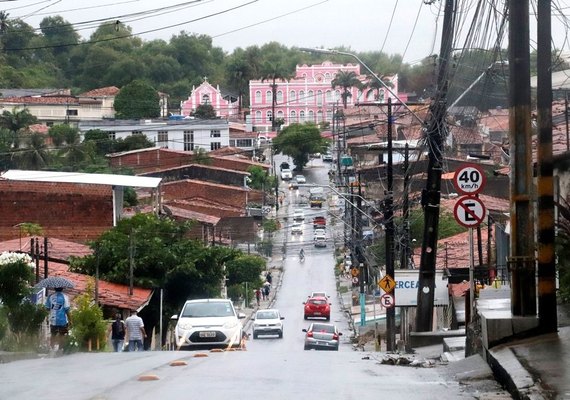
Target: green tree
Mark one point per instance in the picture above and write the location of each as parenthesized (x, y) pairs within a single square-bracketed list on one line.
[(205, 111), (239, 72), (59, 133), (103, 144), (260, 179), (137, 100), (274, 73), (165, 258), (34, 155), (24, 318), (346, 80), (376, 87), (133, 142), (201, 157), (242, 269), (17, 121), (89, 327), (298, 141)]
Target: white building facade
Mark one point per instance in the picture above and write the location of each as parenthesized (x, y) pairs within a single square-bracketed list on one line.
[(185, 135)]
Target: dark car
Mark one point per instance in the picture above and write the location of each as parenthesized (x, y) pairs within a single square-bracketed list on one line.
[(284, 165), (317, 307), (322, 336)]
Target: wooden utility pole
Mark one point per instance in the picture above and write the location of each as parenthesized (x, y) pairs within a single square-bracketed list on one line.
[(389, 225), (547, 314), (436, 132), (522, 257)]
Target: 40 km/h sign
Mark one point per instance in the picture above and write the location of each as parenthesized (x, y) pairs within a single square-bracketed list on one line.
[(469, 179), (469, 211)]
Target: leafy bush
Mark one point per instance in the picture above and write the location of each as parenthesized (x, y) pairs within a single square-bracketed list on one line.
[(88, 325)]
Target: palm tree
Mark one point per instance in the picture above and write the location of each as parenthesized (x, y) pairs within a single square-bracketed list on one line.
[(346, 80), (376, 87), (16, 122), (239, 76), (274, 72), (35, 155)]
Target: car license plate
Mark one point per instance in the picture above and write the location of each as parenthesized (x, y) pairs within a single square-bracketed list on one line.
[(207, 334), (317, 313)]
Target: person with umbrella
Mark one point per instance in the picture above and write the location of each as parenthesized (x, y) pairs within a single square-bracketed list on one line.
[(59, 317)]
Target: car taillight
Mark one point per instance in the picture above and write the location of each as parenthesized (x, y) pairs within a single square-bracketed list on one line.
[(335, 336), (310, 334)]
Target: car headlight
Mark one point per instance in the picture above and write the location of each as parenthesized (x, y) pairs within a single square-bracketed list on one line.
[(230, 324), (185, 325)]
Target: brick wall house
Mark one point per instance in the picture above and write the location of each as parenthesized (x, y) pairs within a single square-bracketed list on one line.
[(77, 212)]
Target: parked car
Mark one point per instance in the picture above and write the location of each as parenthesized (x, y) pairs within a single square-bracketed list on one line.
[(317, 307), (297, 229), (293, 185), (322, 336), (300, 179), (208, 322), (327, 157), (268, 322)]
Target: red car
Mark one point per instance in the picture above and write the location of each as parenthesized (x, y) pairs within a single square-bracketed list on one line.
[(317, 307), (319, 222)]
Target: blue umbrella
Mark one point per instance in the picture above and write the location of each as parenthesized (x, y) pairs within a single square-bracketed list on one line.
[(54, 282)]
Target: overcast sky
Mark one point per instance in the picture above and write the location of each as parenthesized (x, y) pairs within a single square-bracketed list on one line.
[(362, 25)]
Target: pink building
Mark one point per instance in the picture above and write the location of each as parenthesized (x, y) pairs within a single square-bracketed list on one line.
[(307, 97), (226, 105)]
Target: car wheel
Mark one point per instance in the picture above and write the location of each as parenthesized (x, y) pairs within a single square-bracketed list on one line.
[(306, 317), (306, 348), (280, 335), (254, 335), (328, 318)]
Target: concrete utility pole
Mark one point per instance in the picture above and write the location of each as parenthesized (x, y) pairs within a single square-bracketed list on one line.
[(436, 132), (405, 244), (389, 224), (522, 258), (548, 318)]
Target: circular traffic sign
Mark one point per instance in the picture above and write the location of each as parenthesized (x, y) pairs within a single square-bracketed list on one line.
[(387, 300), (469, 179), (469, 211)]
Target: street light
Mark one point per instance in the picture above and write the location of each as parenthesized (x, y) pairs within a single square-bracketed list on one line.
[(344, 53)]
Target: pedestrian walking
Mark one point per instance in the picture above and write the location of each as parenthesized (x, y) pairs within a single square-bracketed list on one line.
[(258, 296), (268, 277), (59, 318), (118, 330), (135, 332)]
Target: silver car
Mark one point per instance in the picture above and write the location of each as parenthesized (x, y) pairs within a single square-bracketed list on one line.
[(322, 336)]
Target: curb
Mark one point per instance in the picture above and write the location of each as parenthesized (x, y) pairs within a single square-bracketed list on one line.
[(512, 374)]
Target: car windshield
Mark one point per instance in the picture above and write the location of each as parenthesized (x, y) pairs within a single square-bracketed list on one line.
[(214, 309), (266, 315), (323, 328), (317, 302)]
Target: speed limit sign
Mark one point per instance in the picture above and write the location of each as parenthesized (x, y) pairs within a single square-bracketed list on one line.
[(469, 179)]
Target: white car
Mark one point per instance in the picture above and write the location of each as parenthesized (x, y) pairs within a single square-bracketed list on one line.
[(268, 322), (286, 174), (318, 233), (320, 240), (297, 229), (298, 215), (300, 179), (208, 322), (327, 157)]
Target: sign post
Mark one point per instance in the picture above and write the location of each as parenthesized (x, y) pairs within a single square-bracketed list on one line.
[(469, 211)]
